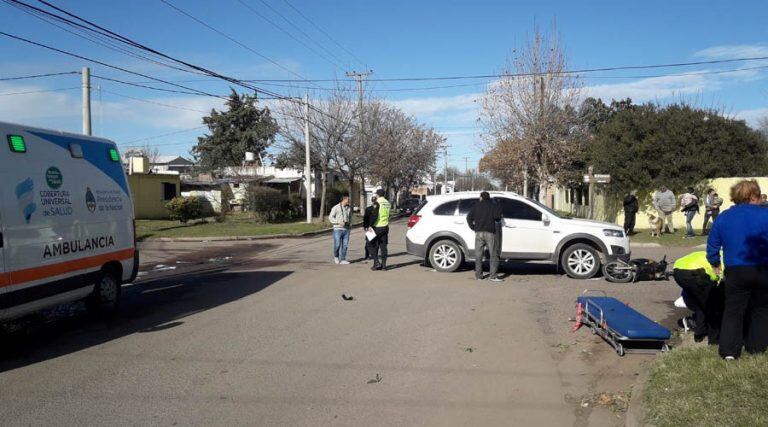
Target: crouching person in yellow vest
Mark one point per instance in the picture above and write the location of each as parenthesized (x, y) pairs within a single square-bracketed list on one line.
[(702, 294), (377, 247)]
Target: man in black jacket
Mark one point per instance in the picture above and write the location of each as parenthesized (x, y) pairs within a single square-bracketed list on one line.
[(482, 220), (368, 220), (631, 206)]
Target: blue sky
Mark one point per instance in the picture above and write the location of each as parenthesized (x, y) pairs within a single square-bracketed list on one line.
[(395, 39)]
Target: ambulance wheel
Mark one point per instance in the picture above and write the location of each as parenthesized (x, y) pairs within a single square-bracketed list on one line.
[(620, 350), (106, 294)]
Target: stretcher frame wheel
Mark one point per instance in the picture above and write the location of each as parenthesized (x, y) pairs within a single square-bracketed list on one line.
[(620, 350)]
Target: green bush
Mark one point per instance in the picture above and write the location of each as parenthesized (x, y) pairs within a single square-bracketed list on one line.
[(185, 209), (267, 203)]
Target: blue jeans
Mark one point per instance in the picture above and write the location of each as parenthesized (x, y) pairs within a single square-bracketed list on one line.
[(688, 218), (340, 242)]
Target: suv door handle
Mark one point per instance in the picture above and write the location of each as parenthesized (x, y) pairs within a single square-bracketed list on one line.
[(459, 222), (1, 240), (510, 226)]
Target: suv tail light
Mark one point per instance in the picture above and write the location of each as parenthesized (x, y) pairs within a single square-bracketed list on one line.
[(413, 220)]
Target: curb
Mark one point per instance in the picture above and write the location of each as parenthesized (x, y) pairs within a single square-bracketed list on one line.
[(635, 416), (247, 238)]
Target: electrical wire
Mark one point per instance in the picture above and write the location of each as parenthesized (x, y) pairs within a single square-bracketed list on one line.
[(325, 33), (162, 135), (114, 67), (288, 33), (155, 102), (37, 76), (230, 38), (297, 28), (139, 84), (39, 91)]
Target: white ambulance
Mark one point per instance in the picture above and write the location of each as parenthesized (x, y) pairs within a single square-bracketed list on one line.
[(67, 230)]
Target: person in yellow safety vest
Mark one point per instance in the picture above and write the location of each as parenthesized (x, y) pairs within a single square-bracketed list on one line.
[(377, 247), (702, 293)]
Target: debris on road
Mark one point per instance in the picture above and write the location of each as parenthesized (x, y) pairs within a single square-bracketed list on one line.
[(375, 380), (469, 349), (347, 298)]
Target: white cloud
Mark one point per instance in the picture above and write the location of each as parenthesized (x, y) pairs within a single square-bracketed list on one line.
[(733, 51), (752, 116)]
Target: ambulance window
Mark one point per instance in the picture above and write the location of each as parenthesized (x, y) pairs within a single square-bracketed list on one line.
[(76, 150), (169, 190)]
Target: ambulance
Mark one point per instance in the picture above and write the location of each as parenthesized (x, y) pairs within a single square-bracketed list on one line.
[(67, 229)]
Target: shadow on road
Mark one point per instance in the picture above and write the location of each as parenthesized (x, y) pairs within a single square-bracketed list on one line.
[(145, 307)]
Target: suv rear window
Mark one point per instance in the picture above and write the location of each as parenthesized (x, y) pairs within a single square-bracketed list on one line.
[(515, 209), (466, 205), (448, 208)]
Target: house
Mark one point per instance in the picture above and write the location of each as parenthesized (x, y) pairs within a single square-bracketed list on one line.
[(150, 191), (215, 195), (178, 164)]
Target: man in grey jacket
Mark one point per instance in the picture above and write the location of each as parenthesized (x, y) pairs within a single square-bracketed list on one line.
[(339, 217), (665, 203)]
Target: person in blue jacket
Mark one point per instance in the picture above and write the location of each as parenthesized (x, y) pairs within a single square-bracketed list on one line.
[(742, 233)]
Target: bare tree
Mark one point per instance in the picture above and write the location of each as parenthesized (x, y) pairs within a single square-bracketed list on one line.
[(762, 126), (530, 115), (331, 123)]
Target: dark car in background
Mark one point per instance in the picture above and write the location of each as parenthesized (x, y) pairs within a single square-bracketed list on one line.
[(409, 206)]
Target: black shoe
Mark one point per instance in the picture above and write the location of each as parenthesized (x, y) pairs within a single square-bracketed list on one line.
[(699, 338), (375, 267)]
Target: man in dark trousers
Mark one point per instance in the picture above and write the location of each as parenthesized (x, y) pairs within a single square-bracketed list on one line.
[(631, 206), (482, 220), (380, 225), (368, 222), (703, 294)]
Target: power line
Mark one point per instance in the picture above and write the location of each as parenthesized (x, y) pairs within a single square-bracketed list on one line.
[(102, 63), (37, 76), (565, 72), (85, 32), (230, 38), (297, 28), (155, 102), (163, 135), (324, 32), (288, 33), (139, 84), (39, 91)]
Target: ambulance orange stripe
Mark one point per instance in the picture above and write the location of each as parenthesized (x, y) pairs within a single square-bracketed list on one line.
[(37, 273)]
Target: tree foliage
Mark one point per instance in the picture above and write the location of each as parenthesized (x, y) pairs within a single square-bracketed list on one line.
[(646, 146), (530, 115), (243, 127)]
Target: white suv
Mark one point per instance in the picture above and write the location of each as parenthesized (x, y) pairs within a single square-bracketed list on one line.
[(438, 232)]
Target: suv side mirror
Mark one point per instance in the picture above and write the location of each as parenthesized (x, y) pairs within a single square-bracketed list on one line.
[(545, 219)]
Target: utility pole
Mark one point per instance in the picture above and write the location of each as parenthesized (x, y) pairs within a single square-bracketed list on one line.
[(86, 76), (307, 171), (445, 171), (591, 195), (360, 77)]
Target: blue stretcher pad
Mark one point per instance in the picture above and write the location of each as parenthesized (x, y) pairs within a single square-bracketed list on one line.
[(623, 319)]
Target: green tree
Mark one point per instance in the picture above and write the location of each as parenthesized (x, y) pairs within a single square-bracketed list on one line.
[(244, 127), (646, 146)]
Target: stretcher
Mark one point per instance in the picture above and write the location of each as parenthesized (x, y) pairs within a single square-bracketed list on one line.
[(623, 327)]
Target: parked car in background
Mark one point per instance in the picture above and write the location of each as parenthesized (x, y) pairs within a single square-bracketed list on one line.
[(530, 231), (409, 206)]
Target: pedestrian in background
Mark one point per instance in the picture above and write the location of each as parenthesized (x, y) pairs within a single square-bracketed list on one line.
[(764, 200), (665, 203), (708, 198), (380, 217), (368, 223), (742, 233), (689, 205), (631, 206), (339, 217), (482, 219)]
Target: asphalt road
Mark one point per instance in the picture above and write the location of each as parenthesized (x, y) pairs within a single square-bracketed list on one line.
[(257, 333)]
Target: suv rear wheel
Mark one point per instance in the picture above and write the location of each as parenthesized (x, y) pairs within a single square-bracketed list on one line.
[(446, 256), (580, 261)]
